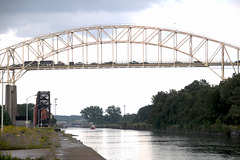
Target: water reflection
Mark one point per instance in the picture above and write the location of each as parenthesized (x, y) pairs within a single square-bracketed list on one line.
[(116, 144)]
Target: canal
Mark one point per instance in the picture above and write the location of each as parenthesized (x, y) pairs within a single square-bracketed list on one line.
[(118, 144)]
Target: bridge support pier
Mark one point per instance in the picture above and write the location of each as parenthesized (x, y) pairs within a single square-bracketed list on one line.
[(11, 102)]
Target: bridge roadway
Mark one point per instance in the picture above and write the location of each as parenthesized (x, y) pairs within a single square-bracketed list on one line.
[(118, 65)]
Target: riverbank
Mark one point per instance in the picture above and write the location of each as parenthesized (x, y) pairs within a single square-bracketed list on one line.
[(121, 144), (64, 147), (216, 129), (74, 149)]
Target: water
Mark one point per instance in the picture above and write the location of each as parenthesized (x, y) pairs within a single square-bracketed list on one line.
[(117, 144)]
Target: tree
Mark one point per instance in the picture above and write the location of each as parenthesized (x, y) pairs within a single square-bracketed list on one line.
[(131, 118), (21, 111), (113, 114), (93, 114), (6, 118), (144, 113)]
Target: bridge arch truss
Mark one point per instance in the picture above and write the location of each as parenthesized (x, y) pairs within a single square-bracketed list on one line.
[(118, 46)]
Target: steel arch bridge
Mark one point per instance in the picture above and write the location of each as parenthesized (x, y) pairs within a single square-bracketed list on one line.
[(117, 46)]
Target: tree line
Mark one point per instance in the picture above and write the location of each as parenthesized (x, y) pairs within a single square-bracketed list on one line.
[(198, 106), (110, 118), (95, 114)]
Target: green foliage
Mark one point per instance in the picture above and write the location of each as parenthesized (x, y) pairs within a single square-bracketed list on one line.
[(21, 110), (198, 106), (6, 156), (144, 113), (93, 114), (131, 118), (6, 118), (113, 114)]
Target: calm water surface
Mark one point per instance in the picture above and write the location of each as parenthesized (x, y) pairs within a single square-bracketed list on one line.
[(117, 144)]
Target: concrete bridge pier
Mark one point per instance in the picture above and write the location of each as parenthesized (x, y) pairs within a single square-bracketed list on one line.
[(11, 102)]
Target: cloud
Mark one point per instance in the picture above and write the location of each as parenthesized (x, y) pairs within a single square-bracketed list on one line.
[(57, 6), (212, 18), (33, 25), (9, 39), (33, 18)]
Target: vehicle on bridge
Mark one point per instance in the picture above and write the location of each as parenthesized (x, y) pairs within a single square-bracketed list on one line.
[(134, 62), (178, 62), (46, 63), (196, 61), (110, 62), (79, 63), (60, 63), (31, 63)]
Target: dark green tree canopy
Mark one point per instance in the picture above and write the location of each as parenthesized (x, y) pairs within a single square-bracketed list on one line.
[(6, 118), (197, 104), (113, 114), (93, 114), (144, 113), (21, 110)]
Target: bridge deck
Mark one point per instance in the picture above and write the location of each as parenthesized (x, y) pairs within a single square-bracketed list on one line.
[(123, 65)]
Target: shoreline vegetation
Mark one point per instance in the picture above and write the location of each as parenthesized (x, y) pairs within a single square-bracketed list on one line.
[(198, 107)]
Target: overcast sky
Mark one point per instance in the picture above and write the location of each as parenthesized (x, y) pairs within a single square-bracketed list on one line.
[(76, 89)]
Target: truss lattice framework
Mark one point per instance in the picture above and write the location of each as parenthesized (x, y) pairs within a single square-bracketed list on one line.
[(118, 46)]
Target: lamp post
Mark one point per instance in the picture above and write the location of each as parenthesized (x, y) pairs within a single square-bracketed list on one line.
[(27, 110)]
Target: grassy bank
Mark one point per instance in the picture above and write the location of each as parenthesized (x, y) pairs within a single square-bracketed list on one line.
[(14, 138)]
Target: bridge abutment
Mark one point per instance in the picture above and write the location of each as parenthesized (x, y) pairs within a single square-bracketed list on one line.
[(11, 102)]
